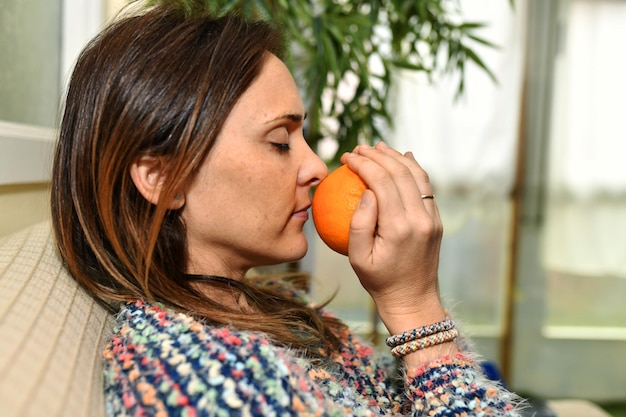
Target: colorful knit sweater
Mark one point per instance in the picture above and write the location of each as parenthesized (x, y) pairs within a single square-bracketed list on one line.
[(161, 362)]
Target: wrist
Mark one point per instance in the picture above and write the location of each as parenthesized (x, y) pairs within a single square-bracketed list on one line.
[(419, 345), (425, 312), (402, 318)]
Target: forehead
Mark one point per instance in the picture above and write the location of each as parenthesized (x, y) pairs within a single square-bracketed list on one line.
[(272, 93)]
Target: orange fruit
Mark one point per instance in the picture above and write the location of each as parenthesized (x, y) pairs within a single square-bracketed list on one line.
[(334, 202)]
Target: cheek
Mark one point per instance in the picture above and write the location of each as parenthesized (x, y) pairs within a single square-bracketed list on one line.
[(252, 189)]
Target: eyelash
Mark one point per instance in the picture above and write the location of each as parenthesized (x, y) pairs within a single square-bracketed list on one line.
[(282, 147)]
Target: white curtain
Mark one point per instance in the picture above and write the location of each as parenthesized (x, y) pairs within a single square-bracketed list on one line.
[(586, 216), (468, 144), (468, 147)]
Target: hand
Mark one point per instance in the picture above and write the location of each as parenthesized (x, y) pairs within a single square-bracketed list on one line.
[(395, 237)]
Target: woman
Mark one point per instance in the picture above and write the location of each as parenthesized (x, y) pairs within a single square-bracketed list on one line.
[(181, 165)]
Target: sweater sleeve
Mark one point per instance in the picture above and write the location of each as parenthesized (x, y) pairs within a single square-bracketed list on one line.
[(449, 386), (455, 386)]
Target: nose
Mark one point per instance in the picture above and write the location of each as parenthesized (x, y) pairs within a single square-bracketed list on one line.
[(313, 169)]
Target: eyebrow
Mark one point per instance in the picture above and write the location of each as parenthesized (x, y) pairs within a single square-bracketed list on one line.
[(289, 116)]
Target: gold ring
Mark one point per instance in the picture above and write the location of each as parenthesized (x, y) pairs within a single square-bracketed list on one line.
[(427, 196)]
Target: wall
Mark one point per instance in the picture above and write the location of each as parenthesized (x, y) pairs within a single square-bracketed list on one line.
[(22, 205), (30, 74)]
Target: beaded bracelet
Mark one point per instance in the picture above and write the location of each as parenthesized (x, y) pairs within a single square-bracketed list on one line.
[(420, 332), (424, 342)]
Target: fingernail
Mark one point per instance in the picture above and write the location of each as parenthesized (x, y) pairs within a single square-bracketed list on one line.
[(383, 145), (365, 146), (409, 155)]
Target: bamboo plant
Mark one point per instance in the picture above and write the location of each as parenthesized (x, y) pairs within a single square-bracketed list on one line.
[(343, 54)]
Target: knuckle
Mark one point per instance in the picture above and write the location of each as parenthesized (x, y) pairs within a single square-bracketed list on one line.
[(402, 171), (430, 230), (403, 233), (382, 179)]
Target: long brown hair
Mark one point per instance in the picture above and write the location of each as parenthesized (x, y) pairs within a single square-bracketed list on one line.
[(160, 83)]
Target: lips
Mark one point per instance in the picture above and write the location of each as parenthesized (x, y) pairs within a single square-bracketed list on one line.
[(302, 212), (305, 208)]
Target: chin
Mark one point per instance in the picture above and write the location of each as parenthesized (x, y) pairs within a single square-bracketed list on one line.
[(285, 250), (298, 255), (297, 251)]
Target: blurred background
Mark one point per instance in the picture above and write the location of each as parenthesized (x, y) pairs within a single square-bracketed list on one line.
[(528, 174)]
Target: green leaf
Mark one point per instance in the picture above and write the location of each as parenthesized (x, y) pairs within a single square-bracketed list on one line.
[(481, 64), (407, 65), (483, 41), (471, 25), (320, 30)]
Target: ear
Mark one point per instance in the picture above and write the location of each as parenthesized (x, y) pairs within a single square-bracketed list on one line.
[(148, 173)]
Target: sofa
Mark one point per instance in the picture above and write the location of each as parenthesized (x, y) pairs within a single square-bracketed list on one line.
[(52, 332)]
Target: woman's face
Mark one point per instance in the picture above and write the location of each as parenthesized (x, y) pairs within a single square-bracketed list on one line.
[(248, 204)]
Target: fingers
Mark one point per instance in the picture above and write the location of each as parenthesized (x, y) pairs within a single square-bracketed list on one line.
[(363, 225), (398, 183), (382, 182), (408, 160), (420, 176), (425, 189), (394, 176)]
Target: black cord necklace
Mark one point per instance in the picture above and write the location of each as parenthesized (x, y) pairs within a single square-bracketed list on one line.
[(212, 278), (202, 277), (236, 288)]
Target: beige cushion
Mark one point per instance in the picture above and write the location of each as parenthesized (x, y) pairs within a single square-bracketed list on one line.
[(51, 332), (576, 408)]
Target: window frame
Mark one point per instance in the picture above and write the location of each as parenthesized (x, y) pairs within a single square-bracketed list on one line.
[(26, 150)]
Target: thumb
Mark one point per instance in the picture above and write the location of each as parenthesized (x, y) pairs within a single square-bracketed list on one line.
[(363, 225)]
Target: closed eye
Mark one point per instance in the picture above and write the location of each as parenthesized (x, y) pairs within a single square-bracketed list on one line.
[(282, 147)]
